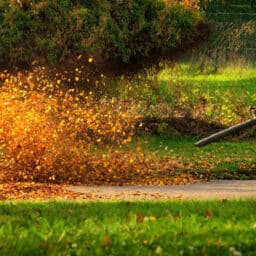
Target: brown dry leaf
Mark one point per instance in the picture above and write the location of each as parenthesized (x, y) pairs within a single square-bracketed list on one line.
[(208, 214), (176, 217), (140, 218), (35, 191), (107, 241)]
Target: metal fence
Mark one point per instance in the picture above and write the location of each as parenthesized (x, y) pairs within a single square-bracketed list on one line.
[(233, 39), (230, 17)]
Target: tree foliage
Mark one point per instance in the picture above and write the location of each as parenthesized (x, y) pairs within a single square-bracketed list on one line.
[(51, 31)]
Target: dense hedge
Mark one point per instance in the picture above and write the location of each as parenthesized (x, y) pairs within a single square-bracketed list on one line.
[(52, 30)]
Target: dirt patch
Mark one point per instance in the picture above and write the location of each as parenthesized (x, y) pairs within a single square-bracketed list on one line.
[(181, 126)]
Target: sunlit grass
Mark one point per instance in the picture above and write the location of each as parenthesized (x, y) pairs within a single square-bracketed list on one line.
[(128, 228), (226, 159), (186, 89), (235, 78)]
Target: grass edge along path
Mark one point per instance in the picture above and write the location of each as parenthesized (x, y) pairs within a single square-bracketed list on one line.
[(223, 227)]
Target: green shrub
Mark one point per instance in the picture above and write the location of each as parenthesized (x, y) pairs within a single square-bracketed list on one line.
[(51, 31)]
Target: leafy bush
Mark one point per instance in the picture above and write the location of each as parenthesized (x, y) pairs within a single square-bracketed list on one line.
[(148, 26), (51, 31)]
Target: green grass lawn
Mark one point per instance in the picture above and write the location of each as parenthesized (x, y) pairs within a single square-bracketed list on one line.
[(238, 79), (220, 96), (228, 158), (128, 228)]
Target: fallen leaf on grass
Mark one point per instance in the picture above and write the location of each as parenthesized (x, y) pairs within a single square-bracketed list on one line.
[(208, 214), (140, 218), (158, 249), (107, 241), (150, 218), (176, 217)]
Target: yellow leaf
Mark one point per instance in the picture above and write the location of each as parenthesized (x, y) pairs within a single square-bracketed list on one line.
[(31, 86), (138, 149), (158, 250), (152, 218)]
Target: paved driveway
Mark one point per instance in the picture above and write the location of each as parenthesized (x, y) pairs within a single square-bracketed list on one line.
[(216, 189)]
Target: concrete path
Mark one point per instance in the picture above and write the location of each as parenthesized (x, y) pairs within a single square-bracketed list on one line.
[(216, 189)]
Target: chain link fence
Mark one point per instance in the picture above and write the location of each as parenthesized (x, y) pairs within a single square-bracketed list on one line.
[(230, 17), (233, 40)]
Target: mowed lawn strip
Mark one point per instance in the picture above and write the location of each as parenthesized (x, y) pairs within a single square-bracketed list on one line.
[(128, 228)]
